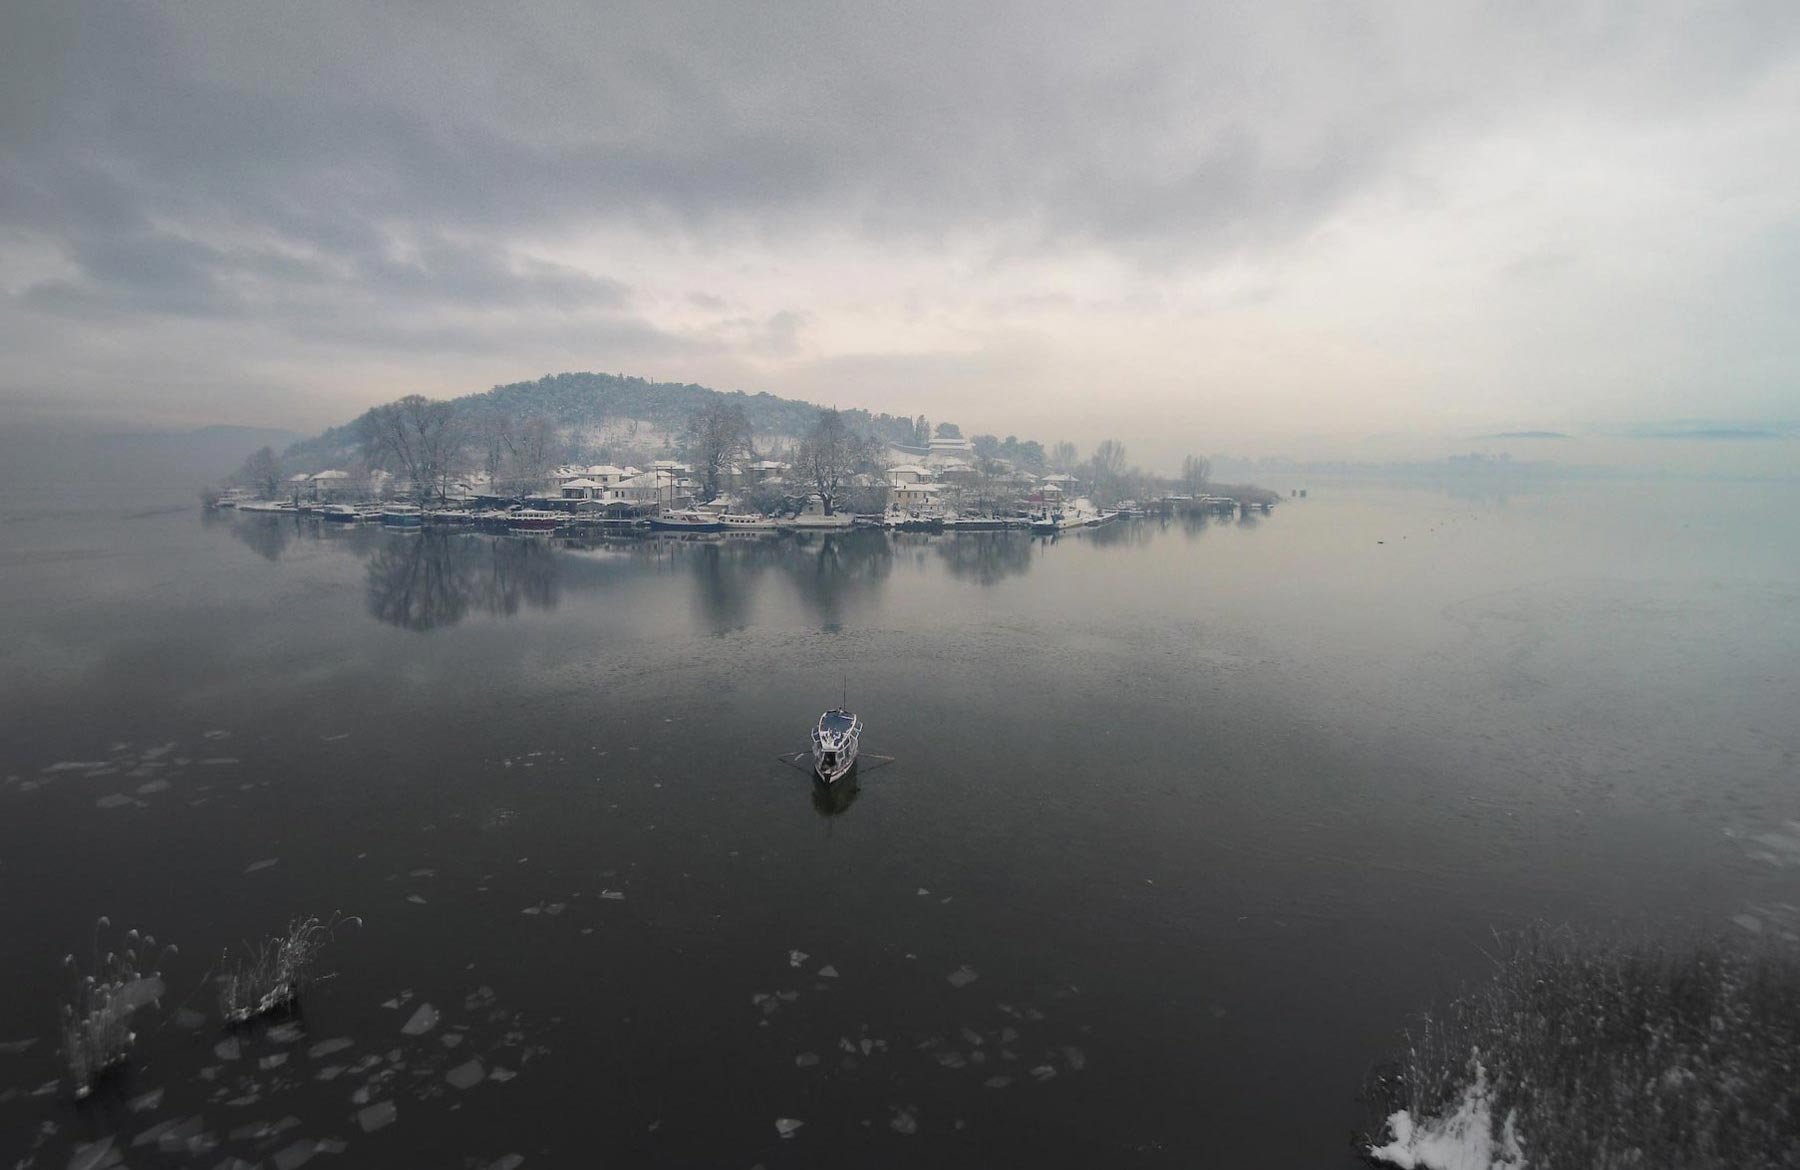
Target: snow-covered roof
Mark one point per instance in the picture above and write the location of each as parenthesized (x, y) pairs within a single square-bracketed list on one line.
[(301, 478), (332, 475), (605, 469), (908, 468), (581, 483)]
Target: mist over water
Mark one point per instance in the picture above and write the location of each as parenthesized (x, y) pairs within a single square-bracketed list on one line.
[(1186, 818)]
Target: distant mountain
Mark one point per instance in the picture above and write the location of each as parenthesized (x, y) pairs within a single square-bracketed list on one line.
[(1715, 433), (606, 408), (1527, 435)]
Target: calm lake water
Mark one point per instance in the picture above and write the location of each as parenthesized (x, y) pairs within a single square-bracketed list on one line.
[(1185, 821)]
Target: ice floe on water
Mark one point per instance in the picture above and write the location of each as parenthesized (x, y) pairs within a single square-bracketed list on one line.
[(1462, 1139), (423, 1020), (787, 1126), (963, 976), (377, 1116), (467, 1075), (265, 863)]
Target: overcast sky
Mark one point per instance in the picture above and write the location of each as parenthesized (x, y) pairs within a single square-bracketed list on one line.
[(1233, 226)]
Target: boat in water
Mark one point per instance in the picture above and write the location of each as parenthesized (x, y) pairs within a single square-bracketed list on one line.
[(746, 522), (535, 520), (687, 520), (834, 744), (402, 516), (340, 513)]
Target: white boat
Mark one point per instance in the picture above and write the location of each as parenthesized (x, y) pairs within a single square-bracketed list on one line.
[(540, 520), (746, 522), (815, 519), (340, 513), (402, 516), (268, 506), (834, 744), (686, 520)]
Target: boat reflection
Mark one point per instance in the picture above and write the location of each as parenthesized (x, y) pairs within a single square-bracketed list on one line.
[(834, 800)]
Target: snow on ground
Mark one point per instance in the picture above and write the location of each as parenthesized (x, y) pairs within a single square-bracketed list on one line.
[(1462, 1140)]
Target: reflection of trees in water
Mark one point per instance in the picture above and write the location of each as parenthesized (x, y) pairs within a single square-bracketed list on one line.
[(1119, 532), (424, 580), (267, 534), (1193, 523), (724, 582), (832, 570), (986, 558)]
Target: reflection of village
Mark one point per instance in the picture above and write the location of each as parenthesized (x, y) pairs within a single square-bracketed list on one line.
[(427, 578), (939, 488)]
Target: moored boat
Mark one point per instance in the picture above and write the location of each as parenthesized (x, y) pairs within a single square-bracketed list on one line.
[(402, 516), (746, 522), (340, 513), (687, 520), (835, 742), (538, 520)]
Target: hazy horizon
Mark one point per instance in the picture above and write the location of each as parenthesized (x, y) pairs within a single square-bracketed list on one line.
[(1319, 232)]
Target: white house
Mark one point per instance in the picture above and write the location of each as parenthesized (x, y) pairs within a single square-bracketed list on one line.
[(606, 475), (907, 473), (582, 489), (914, 496), (764, 470), (330, 483)]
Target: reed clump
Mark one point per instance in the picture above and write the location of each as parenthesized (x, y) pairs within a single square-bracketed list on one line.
[(97, 1032), (1613, 1052), (270, 976)]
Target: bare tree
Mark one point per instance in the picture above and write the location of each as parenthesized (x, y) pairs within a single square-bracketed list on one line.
[(1109, 459), (717, 436), (531, 446), (493, 435), (986, 484), (421, 439), (828, 455), (1064, 456), (1196, 470), (262, 471)]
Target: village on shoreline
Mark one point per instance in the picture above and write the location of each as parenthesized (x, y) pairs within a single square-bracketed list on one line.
[(945, 484)]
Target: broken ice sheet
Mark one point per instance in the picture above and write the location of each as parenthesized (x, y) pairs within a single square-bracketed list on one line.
[(376, 1116), (506, 1162), (145, 1102), (785, 1126), (95, 1155), (423, 1020), (795, 958), (806, 1059), (963, 976), (116, 800), (265, 863), (327, 1047), (828, 972), (467, 1075), (903, 1121)]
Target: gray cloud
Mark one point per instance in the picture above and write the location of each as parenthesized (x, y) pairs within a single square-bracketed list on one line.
[(390, 176)]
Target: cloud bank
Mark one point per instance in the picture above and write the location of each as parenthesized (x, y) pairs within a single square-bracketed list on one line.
[(1187, 224)]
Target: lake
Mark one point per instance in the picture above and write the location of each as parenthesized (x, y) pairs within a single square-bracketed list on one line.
[(1185, 819)]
